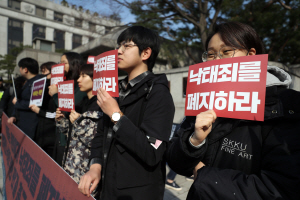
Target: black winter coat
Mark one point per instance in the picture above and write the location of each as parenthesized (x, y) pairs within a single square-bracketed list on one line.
[(134, 169), (28, 119), (245, 159), (45, 133)]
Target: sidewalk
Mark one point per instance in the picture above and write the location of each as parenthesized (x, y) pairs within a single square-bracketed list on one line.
[(178, 195)]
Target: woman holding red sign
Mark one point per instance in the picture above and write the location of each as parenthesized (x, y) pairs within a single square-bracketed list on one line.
[(72, 62), (241, 159), (83, 126)]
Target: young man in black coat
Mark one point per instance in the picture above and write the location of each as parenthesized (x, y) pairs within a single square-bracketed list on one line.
[(128, 149), (29, 68)]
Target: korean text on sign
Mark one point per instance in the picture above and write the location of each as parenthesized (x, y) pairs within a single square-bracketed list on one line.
[(233, 88), (66, 96), (106, 73), (57, 73)]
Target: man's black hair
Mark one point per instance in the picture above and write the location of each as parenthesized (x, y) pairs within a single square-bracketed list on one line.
[(29, 63), (238, 35), (87, 69), (143, 38), (47, 65)]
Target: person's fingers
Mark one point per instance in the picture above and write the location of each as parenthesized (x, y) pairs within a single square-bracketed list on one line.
[(94, 185), (86, 187), (104, 93)]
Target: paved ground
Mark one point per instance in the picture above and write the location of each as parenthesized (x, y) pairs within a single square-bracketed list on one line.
[(178, 195), (169, 193)]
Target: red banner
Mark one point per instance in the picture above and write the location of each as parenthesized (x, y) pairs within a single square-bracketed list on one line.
[(232, 87), (106, 73), (57, 73), (66, 96), (30, 173)]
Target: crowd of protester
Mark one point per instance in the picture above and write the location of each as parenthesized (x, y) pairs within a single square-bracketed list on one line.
[(117, 148)]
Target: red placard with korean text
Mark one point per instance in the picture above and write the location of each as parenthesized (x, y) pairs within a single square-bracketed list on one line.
[(106, 73), (232, 87), (57, 73), (66, 96), (91, 60), (29, 173)]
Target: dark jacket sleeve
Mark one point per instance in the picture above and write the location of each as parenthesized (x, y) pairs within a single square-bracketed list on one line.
[(55, 99), (278, 178), (180, 151), (157, 123), (22, 105), (97, 142)]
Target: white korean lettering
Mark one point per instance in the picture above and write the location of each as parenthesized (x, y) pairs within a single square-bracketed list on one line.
[(65, 88), (109, 84), (238, 102), (57, 70), (55, 80), (221, 102), (66, 103), (103, 63), (249, 71), (214, 73), (111, 62), (224, 72)]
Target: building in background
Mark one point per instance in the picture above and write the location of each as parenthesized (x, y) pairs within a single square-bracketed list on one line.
[(21, 21)]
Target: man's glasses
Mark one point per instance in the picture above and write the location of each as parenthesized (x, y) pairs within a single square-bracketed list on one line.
[(123, 46), (224, 52)]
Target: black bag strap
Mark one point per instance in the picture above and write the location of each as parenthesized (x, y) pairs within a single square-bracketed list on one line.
[(145, 102)]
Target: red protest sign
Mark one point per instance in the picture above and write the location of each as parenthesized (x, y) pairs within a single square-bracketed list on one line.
[(106, 73), (29, 172), (232, 87), (57, 73), (91, 60), (66, 96)]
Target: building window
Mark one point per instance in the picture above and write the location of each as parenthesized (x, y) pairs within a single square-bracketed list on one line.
[(76, 41), (59, 37), (107, 29), (38, 31), (14, 4), (78, 22), (41, 12), (91, 39), (184, 83), (92, 27), (15, 33), (58, 16)]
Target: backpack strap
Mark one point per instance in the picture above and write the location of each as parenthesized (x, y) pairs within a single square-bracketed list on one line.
[(145, 101)]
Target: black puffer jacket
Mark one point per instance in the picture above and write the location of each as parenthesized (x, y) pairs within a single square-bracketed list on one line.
[(245, 159)]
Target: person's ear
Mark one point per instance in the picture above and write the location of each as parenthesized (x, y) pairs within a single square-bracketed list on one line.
[(252, 52), (146, 53), (26, 69)]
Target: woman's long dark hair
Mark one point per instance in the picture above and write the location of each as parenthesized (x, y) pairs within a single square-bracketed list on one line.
[(75, 61)]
